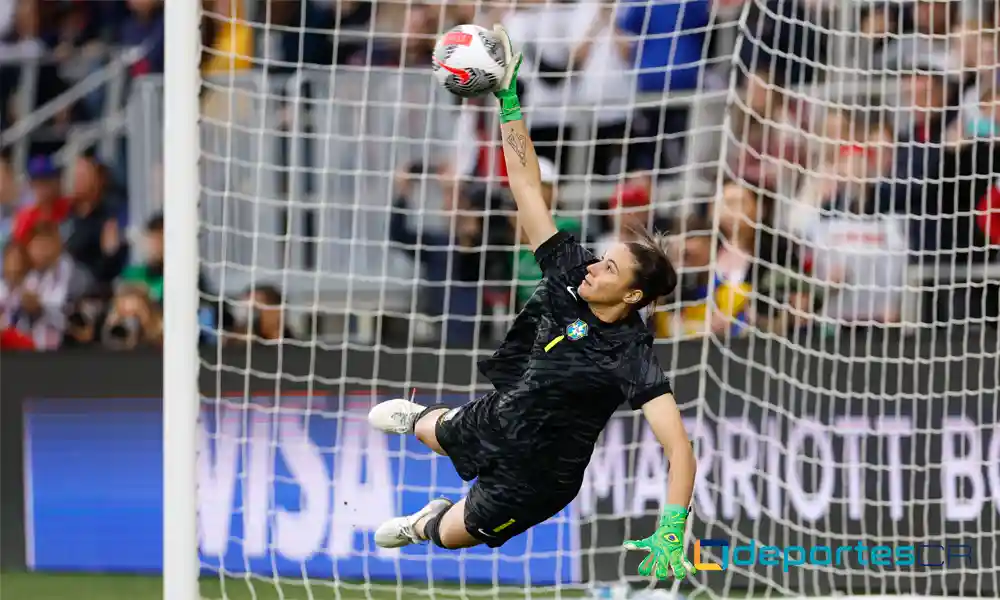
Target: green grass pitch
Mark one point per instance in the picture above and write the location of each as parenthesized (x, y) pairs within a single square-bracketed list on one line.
[(46, 586)]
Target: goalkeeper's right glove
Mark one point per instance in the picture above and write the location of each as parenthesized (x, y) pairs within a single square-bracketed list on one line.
[(510, 105)]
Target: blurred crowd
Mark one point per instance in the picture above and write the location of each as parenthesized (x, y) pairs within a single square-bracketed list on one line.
[(816, 208), (853, 147)]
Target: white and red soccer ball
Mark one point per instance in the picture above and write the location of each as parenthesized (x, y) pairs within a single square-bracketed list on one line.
[(469, 61)]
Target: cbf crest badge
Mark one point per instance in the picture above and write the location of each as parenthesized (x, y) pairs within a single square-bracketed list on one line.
[(576, 330)]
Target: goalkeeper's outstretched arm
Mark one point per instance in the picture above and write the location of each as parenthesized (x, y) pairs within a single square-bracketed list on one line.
[(664, 419), (666, 545), (523, 175)]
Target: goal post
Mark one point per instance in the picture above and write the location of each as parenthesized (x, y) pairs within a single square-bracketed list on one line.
[(181, 396), (328, 202)]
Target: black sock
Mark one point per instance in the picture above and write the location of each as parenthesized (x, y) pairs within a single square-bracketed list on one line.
[(427, 411), (432, 529)]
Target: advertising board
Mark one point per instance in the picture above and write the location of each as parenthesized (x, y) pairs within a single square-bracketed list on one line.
[(281, 489), (889, 440)]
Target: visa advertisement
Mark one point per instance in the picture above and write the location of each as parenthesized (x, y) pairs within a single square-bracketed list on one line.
[(282, 487)]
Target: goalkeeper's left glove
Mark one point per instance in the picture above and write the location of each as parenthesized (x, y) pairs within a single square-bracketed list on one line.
[(510, 105), (665, 547)]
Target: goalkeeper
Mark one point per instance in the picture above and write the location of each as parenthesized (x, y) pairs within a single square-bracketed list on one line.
[(577, 350)]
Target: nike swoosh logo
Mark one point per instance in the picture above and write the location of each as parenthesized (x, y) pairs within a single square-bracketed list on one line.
[(462, 74), (486, 534), (571, 292)]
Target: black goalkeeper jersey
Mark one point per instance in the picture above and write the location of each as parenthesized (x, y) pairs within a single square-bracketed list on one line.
[(561, 372)]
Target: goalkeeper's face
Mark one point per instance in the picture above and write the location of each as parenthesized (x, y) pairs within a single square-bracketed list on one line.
[(631, 274), (610, 280)]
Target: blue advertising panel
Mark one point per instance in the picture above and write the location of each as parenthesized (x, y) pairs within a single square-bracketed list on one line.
[(282, 488)]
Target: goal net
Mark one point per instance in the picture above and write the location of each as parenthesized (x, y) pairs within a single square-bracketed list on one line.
[(827, 170)]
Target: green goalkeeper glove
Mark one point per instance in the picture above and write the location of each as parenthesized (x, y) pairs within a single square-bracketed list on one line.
[(665, 547), (510, 105)]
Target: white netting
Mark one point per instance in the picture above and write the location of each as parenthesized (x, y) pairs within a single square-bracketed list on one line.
[(827, 168)]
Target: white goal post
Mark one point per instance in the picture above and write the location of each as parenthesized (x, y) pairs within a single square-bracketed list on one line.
[(828, 171), (181, 398)]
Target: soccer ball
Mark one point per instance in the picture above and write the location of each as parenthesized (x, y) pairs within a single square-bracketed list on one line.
[(469, 61)]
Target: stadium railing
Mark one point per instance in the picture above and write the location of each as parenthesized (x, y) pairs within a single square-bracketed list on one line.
[(102, 131)]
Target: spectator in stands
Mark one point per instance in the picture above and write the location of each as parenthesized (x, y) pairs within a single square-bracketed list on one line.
[(980, 114), (931, 95), (22, 27), (420, 25), (71, 33), (605, 83), (134, 320), (860, 259), (694, 315), (37, 30), (260, 317), (16, 265), (144, 28), (453, 261), (768, 142), (860, 152), (754, 274), (297, 33), (85, 322), (527, 273), (12, 196), (978, 47), (964, 203), (782, 45), (573, 58), (48, 205), (667, 42), (476, 178), (905, 29), (150, 272), (740, 211), (934, 17), (760, 271), (95, 238), (52, 284), (923, 182), (629, 208), (213, 315), (93, 22), (227, 37), (487, 202), (749, 251), (77, 41), (787, 297)]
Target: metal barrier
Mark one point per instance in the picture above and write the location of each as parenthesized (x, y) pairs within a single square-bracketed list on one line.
[(104, 130)]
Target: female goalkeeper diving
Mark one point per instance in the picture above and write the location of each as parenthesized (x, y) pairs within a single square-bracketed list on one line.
[(577, 351)]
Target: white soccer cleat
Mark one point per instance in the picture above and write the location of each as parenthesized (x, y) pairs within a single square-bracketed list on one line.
[(395, 416), (399, 532)]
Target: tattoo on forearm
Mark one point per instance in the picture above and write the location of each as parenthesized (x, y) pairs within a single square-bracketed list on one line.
[(519, 144)]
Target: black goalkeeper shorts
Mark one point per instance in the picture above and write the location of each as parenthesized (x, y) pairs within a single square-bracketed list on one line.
[(508, 497)]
